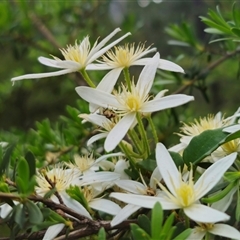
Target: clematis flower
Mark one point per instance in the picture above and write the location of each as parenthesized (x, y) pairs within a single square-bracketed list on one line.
[(77, 57), (129, 103), (218, 229), (124, 57), (181, 194)]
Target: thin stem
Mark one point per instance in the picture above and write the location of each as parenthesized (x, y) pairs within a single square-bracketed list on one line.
[(87, 78), (187, 222), (137, 143), (143, 134), (127, 78), (154, 132)]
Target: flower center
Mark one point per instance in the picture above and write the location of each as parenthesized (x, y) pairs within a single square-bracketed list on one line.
[(133, 103), (205, 226), (185, 194), (231, 146), (77, 53)]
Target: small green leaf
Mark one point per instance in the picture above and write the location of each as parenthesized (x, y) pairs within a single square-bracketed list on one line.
[(167, 229), (144, 223), (238, 206), (23, 170), (156, 221), (177, 158), (184, 235), (31, 163), (138, 233), (19, 215), (101, 234), (236, 31), (148, 164), (6, 159), (236, 15), (34, 214)]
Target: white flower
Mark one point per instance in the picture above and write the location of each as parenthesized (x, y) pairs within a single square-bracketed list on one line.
[(128, 103), (124, 57), (219, 229), (77, 57), (181, 194)]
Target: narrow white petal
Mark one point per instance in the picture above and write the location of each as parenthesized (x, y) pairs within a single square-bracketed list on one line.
[(119, 131), (131, 186), (213, 174), (147, 75), (225, 230), (106, 156), (196, 234), (105, 205), (177, 148), (144, 201), (75, 66), (99, 177), (95, 118), (161, 94), (120, 166), (97, 97), (105, 49), (98, 46), (167, 168), (53, 231), (232, 129), (124, 213), (98, 66), (74, 205), (108, 82), (96, 138), (204, 214), (42, 75), (48, 62), (166, 102), (156, 175), (169, 66)]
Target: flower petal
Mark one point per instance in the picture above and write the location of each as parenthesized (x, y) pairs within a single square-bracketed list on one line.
[(5, 210), (106, 156), (169, 66), (42, 75), (53, 231), (165, 103), (97, 119), (109, 80), (49, 62), (131, 186), (167, 168), (213, 174), (96, 138), (98, 97), (74, 205), (156, 175), (225, 230), (204, 214), (119, 131), (98, 66), (105, 205), (196, 234), (124, 213), (144, 201), (147, 75)]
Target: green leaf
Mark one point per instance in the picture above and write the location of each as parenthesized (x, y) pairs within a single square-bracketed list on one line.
[(184, 235), (167, 229), (6, 159), (148, 164), (34, 214), (205, 143), (177, 158), (138, 233), (236, 15), (31, 163), (101, 234), (19, 215), (236, 31), (144, 223), (238, 206), (156, 221)]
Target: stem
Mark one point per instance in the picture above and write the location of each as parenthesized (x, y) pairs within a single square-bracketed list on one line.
[(143, 134), (136, 141), (127, 78), (87, 78), (125, 150), (154, 132), (187, 222)]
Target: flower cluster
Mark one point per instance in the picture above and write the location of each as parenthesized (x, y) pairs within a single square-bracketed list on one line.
[(120, 184)]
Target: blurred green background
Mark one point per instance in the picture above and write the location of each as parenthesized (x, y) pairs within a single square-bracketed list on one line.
[(29, 29)]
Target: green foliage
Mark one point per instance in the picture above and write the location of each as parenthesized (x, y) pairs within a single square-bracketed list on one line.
[(101, 234)]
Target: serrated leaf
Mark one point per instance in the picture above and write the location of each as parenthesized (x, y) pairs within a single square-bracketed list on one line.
[(156, 221), (101, 234), (144, 223), (138, 233), (34, 214)]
